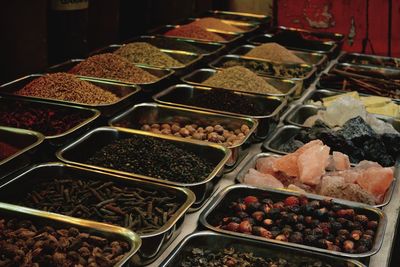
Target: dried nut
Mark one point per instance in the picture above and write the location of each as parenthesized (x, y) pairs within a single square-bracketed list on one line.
[(184, 132), (177, 134), (232, 226), (245, 227), (198, 136), (155, 130), (209, 129), (175, 128), (200, 130), (146, 127), (221, 138), (194, 126), (219, 129), (245, 129), (226, 134), (166, 131), (165, 126), (237, 131), (155, 125)]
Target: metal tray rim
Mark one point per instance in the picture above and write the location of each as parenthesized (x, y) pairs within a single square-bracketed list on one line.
[(341, 58)]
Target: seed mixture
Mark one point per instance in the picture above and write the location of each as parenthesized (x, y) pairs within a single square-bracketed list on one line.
[(67, 87), (154, 158), (112, 66), (274, 52), (195, 32), (7, 150), (141, 210), (240, 79), (145, 53), (216, 24), (25, 243)]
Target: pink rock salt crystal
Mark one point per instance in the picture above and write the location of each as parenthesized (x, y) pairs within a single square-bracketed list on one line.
[(256, 178), (312, 163), (376, 180)]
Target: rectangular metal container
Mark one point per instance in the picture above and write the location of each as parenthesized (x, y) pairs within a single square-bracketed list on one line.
[(164, 75), (230, 37), (318, 60), (389, 74), (79, 151), (263, 20), (216, 242), (215, 210), (281, 135), (370, 60), (178, 95), (57, 140), (27, 143), (188, 59), (126, 93), (268, 68), (290, 89), (153, 244), (326, 48), (150, 113), (251, 163), (60, 221)]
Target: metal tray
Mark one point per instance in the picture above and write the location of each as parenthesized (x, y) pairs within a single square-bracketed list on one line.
[(149, 113), (370, 60), (27, 143), (281, 135), (164, 75), (289, 88), (217, 242), (247, 27), (251, 163), (263, 20), (61, 221), (78, 151), (320, 61), (368, 71), (267, 68), (229, 37), (153, 244), (219, 204), (327, 48), (188, 59), (127, 93), (89, 114), (178, 95)]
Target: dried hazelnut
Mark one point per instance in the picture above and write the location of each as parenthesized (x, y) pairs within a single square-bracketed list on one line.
[(166, 131), (245, 129), (219, 129), (209, 129), (184, 132), (165, 126), (146, 127), (175, 128), (155, 130), (155, 125)]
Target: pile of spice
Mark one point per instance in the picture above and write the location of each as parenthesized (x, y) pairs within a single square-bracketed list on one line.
[(145, 53), (173, 44), (230, 257), (138, 209), (25, 243), (114, 67), (211, 133), (215, 24), (240, 79), (316, 223), (46, 119), (224, 100), (268, 68), (7, 150), (194, 32), (67, 87), (274, 52), (154, 158)]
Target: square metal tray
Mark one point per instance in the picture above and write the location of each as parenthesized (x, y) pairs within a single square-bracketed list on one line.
[(218, 207), (178, 95), (263, 20), (216, 242), (153, 244), (370, 60), (385, 74), (126, 93), (78, 151)]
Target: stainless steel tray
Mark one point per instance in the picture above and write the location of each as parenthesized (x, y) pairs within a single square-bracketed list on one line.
[(150, 113), (251, 163), (370, 60), (318, 60), (163, 75), (289, 88), (327, 48), (27, 143), (78, 151), (229, 37), (218, 206), (61, 221), (368, 71), (89, 114), (126, 93), (178, 95), (214, 242), (268, 68), (153, 244), (188, 59), (281, 135)]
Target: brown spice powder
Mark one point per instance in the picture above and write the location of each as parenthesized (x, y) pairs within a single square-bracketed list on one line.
[(195, 32), (274, 52), (216, 24)]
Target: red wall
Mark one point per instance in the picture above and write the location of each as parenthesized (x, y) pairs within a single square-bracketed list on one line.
[(337, 16)]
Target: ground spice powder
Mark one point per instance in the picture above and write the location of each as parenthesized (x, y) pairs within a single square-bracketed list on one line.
[(274, 52), (195, 32), (216, 24)]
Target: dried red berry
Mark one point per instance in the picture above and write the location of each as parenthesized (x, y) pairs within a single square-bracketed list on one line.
[(291, 201), (250, 199), (232, 226), (245, 227), (258, 215)]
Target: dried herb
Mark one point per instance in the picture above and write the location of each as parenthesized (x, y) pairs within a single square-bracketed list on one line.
[(194, 32)]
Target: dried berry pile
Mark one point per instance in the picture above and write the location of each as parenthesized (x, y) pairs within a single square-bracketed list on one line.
[(194, 32), (152, 157), (67, 87), (114, 67), (140, 210), (46, 119), (233, 258), (225, 100), (321, 224), (24, 243), (7, 150)]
